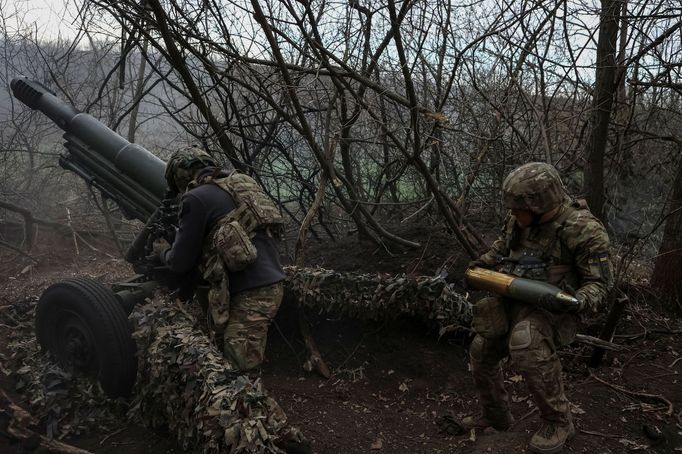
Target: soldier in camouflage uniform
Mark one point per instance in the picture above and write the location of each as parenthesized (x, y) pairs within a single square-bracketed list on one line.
[(241, 303), (549, 237)]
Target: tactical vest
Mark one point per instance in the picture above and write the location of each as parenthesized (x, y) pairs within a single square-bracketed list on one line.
[(541, 253), (232, 235)]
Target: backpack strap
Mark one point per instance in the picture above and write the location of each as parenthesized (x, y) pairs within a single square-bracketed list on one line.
[(558, 225), (563, 274), (254, 209)]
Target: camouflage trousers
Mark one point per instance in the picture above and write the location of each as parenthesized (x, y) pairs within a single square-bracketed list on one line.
[(531, 345), (246, 331)]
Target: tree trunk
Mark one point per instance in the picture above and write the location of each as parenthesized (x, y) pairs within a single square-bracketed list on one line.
[(139, 91), (666, 276), (602, 104)]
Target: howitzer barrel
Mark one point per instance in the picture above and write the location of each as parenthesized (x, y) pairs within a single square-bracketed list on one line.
[(130, 159), (518, 288)]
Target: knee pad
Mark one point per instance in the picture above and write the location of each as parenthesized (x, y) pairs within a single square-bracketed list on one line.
[(521, 336), (490, 317), (476, 349), (487, 352), (528, 346)]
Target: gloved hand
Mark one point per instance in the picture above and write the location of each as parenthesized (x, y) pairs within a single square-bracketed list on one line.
[(581, 303), (159, 247), (553, 304)]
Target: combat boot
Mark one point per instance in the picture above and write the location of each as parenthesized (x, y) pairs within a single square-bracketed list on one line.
[(551, 437), (499, 421)]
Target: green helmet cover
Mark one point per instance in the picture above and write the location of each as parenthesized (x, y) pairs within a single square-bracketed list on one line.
[(535, 186), (183, 164)]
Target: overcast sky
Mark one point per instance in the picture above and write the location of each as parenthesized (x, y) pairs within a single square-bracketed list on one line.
[(49, 19)]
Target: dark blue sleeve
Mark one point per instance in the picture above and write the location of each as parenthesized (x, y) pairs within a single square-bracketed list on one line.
[(192, 222)]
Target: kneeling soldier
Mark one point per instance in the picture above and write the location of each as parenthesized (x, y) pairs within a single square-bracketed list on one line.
[(548, 237), (225, 228)]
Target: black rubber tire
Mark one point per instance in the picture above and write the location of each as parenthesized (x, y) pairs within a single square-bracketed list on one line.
[(81, 322)]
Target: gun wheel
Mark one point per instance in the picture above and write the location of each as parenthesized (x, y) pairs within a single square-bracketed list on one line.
[(82, 323)]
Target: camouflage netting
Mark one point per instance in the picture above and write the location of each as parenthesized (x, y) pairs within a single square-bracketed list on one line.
[(380, 297), (186, 384), (67, 403)]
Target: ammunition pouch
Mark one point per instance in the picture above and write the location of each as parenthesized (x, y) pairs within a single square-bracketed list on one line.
[(490, 317), (526, 266), (234, 246), (254, 211)]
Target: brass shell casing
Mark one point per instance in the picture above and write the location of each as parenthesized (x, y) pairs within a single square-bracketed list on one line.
[(489, 280)]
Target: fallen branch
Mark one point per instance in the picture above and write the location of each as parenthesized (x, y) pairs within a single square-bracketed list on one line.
[(16, 423), (598, 434), (29, 221), (314, 360), (16, 249), (618, 305), (111, 435), (620, 389), (528, 414), (80, 237), (600, 343), (59, 447), (426, 205)]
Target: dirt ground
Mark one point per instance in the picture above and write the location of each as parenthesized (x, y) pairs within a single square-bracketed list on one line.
[(396, 387)]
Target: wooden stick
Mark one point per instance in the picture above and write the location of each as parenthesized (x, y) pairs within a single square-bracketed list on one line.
[(599, 343), (609, 328), (110, 225), (111, 435), (528, 414), (15, 425), (599, 434), (73, 232), (59, 447), (636, 394), (314, 359), (28, 216), (17, 250)]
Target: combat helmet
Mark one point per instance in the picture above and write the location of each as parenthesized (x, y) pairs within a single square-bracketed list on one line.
[(183, 164), (535, 186)]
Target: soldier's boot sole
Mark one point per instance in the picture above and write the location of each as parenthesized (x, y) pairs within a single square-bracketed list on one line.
[(553, 449)]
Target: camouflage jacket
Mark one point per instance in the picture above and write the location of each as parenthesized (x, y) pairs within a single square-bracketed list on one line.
[(571, 251)]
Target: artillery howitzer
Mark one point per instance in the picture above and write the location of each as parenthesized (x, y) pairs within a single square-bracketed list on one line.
[(82, 322)]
